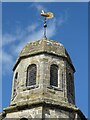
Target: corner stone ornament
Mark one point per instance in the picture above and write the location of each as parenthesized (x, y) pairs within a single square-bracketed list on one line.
[(46, 16)]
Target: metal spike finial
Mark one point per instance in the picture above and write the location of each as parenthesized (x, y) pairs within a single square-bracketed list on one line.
[(46, 16)]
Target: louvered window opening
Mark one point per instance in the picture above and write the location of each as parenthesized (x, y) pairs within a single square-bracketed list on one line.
[(71, 84), (16, 75), (54, 75), (31, 75)]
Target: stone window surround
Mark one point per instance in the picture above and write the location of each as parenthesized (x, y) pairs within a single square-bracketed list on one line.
[(37, 84), (37, 73), (58, 88), (50, 87)]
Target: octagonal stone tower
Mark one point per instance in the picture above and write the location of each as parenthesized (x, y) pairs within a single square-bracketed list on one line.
[(43, 83), (42, 55)]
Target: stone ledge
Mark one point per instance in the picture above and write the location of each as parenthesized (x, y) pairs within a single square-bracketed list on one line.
[(44, 103), (55, 88), (27, 104), (30, 87)]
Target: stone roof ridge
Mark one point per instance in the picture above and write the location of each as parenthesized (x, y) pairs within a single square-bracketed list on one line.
[(46, 40), (54, 41), (30, 45)]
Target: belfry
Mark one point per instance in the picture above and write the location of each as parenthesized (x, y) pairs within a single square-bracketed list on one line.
[(43, 83)]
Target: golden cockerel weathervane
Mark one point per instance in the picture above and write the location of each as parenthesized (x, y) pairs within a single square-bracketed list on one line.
[(46, 16)]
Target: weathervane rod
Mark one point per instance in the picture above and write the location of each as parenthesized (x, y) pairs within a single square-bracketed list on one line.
[(46, 16), (45, 26)]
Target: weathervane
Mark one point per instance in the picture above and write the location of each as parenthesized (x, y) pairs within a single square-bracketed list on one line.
[(46, 16)]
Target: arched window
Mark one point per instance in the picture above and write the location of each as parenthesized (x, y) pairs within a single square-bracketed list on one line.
[(54, 75), (16, 75), (31, 75), (70, 88), (15, 84), (71, 84)]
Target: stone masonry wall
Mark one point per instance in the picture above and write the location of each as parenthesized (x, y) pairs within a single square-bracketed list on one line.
[(30, 113), (43, 63)]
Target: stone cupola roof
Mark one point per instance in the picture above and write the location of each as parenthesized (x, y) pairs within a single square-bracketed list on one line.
[(44, 46)]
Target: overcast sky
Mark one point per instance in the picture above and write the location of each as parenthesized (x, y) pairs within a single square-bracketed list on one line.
[(22, 23)]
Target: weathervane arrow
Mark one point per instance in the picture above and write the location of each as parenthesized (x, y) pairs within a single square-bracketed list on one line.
[(46, 16)]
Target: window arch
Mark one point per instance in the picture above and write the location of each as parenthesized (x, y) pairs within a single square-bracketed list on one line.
[(31, 75), (54, 75)]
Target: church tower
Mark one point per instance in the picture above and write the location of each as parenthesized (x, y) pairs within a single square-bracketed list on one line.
[(43, 83)]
